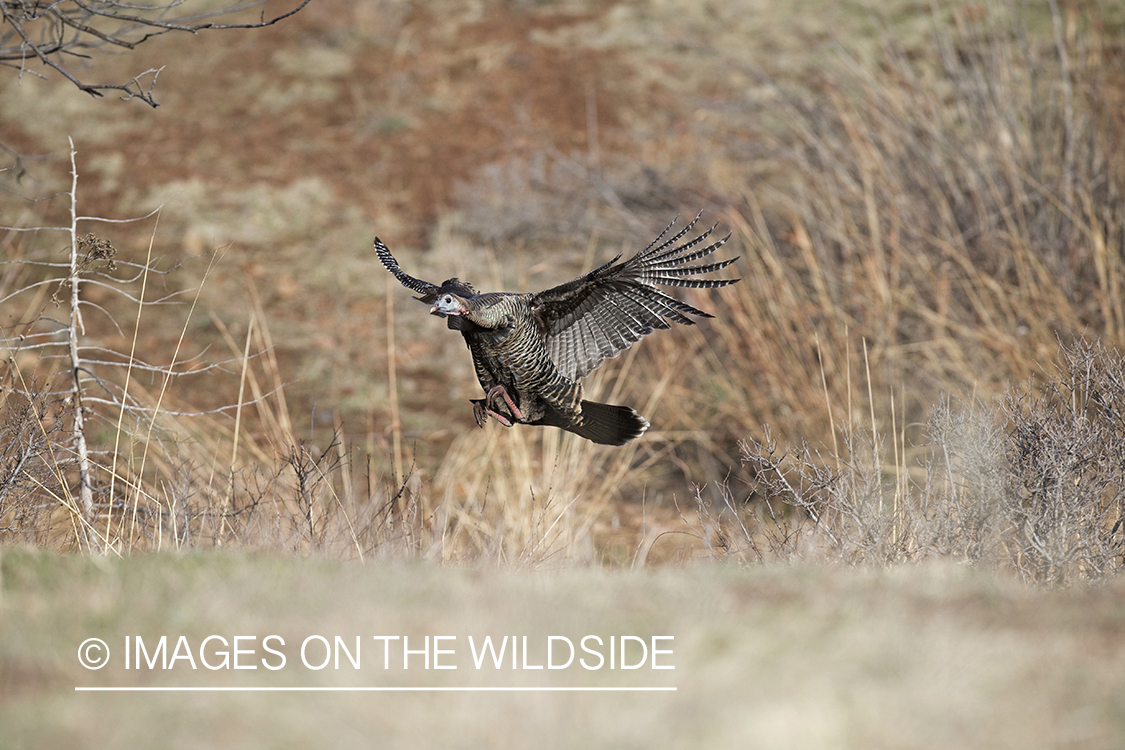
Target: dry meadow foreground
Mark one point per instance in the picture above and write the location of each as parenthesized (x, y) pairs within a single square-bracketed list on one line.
[(935, 656), (882, 501)]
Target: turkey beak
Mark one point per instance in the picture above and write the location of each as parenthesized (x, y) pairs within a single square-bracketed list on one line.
[(435, 311)]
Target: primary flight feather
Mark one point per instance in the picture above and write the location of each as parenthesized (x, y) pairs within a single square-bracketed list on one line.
[(531, 351)]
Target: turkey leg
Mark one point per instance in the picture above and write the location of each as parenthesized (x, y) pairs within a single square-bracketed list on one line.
[(499, 390), (482, 407), (481, 413)]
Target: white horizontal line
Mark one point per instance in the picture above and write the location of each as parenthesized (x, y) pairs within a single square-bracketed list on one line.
[(185, 689)]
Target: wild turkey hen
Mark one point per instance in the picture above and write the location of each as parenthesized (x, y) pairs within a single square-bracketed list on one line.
[(531, 350)]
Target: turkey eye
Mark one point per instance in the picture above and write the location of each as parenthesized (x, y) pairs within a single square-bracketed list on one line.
[(448, 298)]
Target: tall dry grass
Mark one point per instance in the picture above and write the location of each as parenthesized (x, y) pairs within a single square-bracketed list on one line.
[(957, 213), (1032, 483), (166, 474), (943, 227), (936, 223)]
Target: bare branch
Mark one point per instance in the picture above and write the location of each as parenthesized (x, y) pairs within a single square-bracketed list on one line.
[(52, 32)]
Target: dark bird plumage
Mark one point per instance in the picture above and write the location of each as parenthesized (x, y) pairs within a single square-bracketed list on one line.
[(531, 351)]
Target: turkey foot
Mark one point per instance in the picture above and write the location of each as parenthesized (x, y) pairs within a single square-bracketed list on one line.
[(482, 407), (499, 390), (481, 413)]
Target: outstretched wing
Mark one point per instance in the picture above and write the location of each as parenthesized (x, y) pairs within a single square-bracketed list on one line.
[(408, 281), (429, 292), (605, 311)]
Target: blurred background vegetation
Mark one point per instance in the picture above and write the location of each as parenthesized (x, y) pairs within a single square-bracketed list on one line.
[(926, 199)]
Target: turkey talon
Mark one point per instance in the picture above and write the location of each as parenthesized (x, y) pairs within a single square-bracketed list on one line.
[(481, 413), (500, 418), (499, 390)]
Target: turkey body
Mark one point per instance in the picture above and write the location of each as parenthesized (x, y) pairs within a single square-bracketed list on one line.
[(531, 351), (510, 351)]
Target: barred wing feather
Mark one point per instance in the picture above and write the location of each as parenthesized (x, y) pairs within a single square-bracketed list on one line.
[(429, 292), (603, 312), (408, 281)]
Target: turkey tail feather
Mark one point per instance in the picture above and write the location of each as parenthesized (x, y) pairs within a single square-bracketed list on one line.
[(604, 424)]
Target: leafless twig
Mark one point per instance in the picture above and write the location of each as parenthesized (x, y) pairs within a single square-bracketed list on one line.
[(55, 32)]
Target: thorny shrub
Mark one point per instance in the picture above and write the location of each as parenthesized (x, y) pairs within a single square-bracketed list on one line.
[(1035, 483)]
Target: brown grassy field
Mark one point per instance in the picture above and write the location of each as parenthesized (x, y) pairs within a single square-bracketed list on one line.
[(926, 202), (881, 502)]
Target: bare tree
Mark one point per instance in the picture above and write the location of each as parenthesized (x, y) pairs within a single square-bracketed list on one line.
[(62, 34), (63, 388)]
